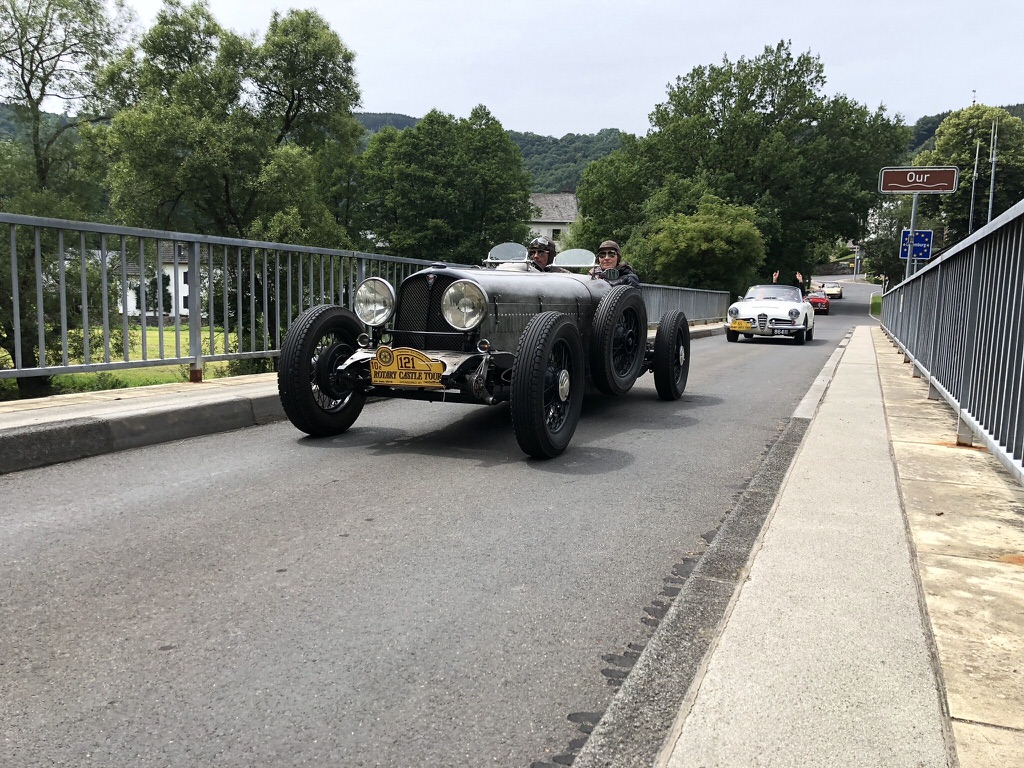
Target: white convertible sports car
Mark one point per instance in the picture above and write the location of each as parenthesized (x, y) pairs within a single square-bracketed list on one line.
[(771, 310)]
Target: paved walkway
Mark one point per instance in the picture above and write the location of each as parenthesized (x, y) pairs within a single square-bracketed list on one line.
[(881, 618), (852, 643)]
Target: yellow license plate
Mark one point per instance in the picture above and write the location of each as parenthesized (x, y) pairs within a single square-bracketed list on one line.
[(739, 325), (404, 367)]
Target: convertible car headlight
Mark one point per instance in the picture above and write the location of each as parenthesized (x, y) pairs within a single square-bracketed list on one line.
[(374, 301), (464, 305), (794, 313), (734, 311)]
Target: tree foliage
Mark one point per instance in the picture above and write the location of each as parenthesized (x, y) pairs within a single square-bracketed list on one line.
[(49, 53), (716, 247), (756, 133), (963, 136), (447, 188), (227, 135), (557, 165)]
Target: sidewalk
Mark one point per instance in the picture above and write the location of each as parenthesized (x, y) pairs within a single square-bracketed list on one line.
[(850, 642)]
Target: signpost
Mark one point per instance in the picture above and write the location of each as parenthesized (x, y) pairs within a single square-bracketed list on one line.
[(919, 181), (922, 244), (938, 180)]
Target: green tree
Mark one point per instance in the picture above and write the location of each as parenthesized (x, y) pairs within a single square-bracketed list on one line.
[(447, 188), (50, 51), (612, 196), (758, 132), (717, 247), (225, 135), (964, 135)]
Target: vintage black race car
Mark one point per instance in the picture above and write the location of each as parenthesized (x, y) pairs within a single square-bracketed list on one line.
[(505, 332)]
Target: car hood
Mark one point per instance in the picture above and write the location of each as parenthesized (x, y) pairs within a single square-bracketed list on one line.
[(766, 306)]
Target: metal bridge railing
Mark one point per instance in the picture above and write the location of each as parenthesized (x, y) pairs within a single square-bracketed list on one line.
[(78, 296), (697, 305), (958, 321), (87, 297)]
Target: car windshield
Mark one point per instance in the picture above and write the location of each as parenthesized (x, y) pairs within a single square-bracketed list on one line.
[(780, 292)]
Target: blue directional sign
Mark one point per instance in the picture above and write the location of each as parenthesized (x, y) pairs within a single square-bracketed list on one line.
[(922, 243)]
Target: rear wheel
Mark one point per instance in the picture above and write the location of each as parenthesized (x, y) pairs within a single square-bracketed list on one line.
[(672, 355), (313, 398), (620, 340), (548, 383)]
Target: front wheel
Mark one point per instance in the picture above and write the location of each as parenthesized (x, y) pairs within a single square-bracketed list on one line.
[(732, 335), (313, 398), (800, 336), (548, 383), (672, 355)]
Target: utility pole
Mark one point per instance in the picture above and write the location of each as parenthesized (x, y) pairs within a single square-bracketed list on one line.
[(974, 182), (992, 154), (910, 243)]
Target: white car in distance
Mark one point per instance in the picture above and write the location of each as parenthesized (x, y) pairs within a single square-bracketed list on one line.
[(771, 310)]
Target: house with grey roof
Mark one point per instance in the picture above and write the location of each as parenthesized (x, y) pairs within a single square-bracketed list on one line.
[(557, 211)]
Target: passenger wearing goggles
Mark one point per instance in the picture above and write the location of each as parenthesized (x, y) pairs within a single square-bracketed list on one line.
[(541, 252), (612, 268)]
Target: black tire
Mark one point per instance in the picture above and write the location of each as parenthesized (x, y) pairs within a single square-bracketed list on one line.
[(316, 341), (548, 383), (810, 334), (672, 355), (620, 340), (732, 335), (748, 335), (801, 336)]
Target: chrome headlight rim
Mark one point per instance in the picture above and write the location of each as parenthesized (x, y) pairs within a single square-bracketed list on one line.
[(734, 311), (794, 313), (455, 310), (374, 309)]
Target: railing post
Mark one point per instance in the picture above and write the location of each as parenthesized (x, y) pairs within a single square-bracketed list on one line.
[(195, 316), (964, 433)]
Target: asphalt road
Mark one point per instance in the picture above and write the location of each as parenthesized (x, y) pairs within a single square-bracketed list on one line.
[(414, 592)]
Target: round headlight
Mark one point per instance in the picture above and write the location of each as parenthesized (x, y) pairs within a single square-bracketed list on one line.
[(734, 311), (794, 313), (464, 305), (374, 301)]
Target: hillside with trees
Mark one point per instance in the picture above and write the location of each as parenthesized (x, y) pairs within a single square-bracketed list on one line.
[(556, 165)]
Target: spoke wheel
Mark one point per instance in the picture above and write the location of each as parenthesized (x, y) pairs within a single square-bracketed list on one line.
[(547, 385), (619, 341), (313, 397), (672, 355)]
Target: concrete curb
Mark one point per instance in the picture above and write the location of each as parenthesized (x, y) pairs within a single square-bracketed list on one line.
[(137, 423)]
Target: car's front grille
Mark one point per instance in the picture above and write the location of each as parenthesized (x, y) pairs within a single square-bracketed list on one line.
[(762, 321), (419, 309)]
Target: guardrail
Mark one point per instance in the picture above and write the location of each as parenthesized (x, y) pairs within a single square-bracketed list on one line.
[(88, 297), (80, 296), (958, 321), (697, 305)]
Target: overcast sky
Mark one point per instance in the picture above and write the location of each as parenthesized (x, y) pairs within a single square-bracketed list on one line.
[(554, 67)]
